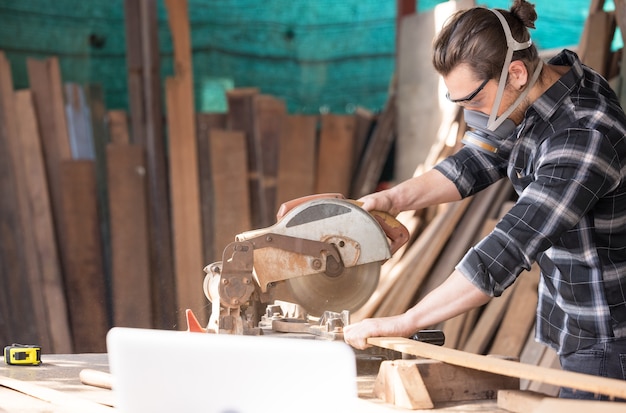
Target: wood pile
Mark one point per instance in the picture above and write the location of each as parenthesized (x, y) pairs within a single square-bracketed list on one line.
[(108, 223)]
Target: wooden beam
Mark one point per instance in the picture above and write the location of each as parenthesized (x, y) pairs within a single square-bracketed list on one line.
[(579, 381), (184, 180), (130, 257), (82, 257), (146, 116)]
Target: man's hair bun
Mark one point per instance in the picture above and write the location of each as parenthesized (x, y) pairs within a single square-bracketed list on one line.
[(525, 12)]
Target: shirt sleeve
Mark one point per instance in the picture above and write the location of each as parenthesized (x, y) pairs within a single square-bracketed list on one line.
[(569, 173), (472, 170)]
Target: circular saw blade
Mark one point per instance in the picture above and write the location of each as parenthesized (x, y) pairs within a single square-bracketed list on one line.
[(317, 293)]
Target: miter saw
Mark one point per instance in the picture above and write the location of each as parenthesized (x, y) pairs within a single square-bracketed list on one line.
[(324, 254)]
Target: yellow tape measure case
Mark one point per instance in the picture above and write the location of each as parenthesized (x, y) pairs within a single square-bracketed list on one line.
[(21, 354)]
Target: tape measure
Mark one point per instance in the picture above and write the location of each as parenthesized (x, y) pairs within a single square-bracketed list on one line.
[(22, 354)]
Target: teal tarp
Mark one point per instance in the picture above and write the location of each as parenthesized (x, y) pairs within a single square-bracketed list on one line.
[(322, 55)]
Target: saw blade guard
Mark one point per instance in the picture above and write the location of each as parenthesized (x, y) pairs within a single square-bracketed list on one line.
[(355, 234)]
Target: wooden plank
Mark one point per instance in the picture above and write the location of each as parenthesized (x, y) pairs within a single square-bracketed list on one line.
[(94, 96), (524, 401), (130, 259), (207, 121), (334, 158), (118, 126), (269, 127), (520, 316), (44, 77), (82, 257), (231, 201), (579, 381), (49, 268), (297, 160), (376, 152), (24, 313), (146, 116), (241, 118), (184, 181)]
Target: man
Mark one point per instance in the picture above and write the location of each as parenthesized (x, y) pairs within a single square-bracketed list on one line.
[(557, 131)]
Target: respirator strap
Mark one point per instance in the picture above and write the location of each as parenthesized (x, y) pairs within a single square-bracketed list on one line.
[(512, 46)]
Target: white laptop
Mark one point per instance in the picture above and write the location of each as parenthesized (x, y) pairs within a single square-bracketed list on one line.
[(173, 371)]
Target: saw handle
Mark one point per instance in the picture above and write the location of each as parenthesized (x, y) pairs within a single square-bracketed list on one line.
[(394, 230), (289, 205)]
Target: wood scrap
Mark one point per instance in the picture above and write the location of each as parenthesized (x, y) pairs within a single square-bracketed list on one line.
[(438, 383), (399, 384), (578, 381)]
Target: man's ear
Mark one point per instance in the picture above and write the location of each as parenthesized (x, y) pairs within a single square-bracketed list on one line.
[(518, 75)]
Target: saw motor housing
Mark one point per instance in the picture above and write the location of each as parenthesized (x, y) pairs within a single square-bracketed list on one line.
[(324, 252)]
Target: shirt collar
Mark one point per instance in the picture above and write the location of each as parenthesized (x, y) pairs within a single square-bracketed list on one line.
[(549, 102)]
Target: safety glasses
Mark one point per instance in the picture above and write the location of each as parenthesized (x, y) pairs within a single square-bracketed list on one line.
[(470, 96)]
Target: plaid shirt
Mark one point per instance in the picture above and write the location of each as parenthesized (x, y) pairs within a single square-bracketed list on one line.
[(567, 163)]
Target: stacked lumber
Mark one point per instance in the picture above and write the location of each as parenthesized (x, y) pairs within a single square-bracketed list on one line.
[(107, 225)]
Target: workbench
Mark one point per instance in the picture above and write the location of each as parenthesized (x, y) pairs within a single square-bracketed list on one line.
[(60, 373)]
